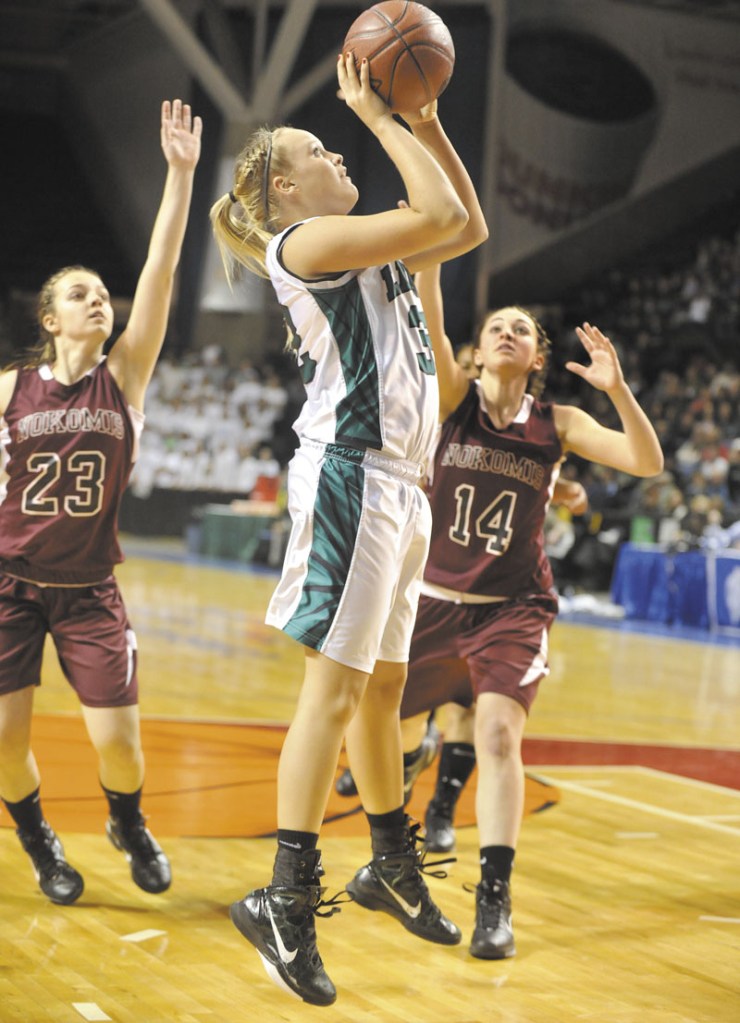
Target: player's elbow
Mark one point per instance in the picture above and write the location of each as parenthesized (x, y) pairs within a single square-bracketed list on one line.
[(474, 234), (449, 217), (651, 463)]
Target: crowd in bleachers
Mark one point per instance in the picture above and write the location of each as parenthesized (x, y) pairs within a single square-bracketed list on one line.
[(212, 427), (677, 328)]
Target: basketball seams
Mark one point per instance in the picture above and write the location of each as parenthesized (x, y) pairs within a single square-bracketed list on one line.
[(419, 70), (423, 44)]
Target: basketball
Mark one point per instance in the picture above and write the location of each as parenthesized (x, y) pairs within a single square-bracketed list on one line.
[(409, 49)]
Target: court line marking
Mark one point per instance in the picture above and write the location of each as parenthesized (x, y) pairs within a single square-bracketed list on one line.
[(90, 1011), (634, 804), (695, 782), (142, 935), (622, 768)]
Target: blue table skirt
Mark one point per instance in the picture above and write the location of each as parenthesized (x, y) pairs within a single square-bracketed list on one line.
[(659, 586)]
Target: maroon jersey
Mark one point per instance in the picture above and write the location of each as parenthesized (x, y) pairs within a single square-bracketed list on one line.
[(489, 496), (67, 453)]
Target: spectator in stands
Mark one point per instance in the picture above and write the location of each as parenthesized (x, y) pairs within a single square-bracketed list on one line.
[(733, 475)]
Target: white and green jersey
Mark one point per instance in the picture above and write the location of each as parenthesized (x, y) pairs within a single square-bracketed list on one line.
[(363, 349)]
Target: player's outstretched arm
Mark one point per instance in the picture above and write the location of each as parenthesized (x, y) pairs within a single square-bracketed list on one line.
[(453, 381), (134, 356), (637, 449)]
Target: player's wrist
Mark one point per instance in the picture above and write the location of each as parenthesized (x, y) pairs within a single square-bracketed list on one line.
[(383, 123), (423, 122)]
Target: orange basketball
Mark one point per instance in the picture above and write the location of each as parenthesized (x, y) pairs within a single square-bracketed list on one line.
[(410, 51)]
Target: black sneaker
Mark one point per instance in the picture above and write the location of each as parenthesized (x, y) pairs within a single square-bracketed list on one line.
[(392, 882), (438, 828), (427, 752), (279, 922), (345, 784), (57, 880), (493, 937), (150, 868)]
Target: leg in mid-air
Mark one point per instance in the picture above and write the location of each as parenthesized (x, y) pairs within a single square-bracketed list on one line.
[(455, 765), (392, 881), (20, 785)]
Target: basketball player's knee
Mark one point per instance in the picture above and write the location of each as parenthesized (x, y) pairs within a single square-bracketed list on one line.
[(496, 739), (342, 704), (120, 748), (385, 688)]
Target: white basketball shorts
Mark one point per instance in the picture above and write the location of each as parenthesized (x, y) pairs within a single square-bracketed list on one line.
[(358, 545)]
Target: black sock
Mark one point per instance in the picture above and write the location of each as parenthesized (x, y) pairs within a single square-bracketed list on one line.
[(456, 763), (124, 806), (297, 860), (392, 819), (496, 862), (26, 813), (389, 832), (298, 841)]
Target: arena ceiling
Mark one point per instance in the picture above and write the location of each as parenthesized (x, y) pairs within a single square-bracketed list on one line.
[(34, 34)]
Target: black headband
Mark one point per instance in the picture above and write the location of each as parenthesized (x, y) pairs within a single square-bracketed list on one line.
[(266, 182)]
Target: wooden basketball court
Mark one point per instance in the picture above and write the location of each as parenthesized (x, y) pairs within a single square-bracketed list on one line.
[(626, 895)]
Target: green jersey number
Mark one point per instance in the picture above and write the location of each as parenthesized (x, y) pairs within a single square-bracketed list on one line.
[(417, 320)]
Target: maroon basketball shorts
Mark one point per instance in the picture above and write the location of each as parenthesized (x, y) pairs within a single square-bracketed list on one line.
[(88, 624), (461, 650)]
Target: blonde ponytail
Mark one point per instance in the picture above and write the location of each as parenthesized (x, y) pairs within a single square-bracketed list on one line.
[(241, 219)]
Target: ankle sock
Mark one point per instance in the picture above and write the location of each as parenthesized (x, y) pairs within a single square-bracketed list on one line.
[(27, 812), (295, 866), (496, 863), (456, 763), (124, 807), (297, 841), (389, 832)]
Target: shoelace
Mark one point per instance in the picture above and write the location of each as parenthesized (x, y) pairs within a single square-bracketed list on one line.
[(46, 859), (45, 851), (421, 854), (333, 903), (307, 930), (138, 841)]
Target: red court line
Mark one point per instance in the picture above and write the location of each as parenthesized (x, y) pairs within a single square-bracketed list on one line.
[(718, 766)]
